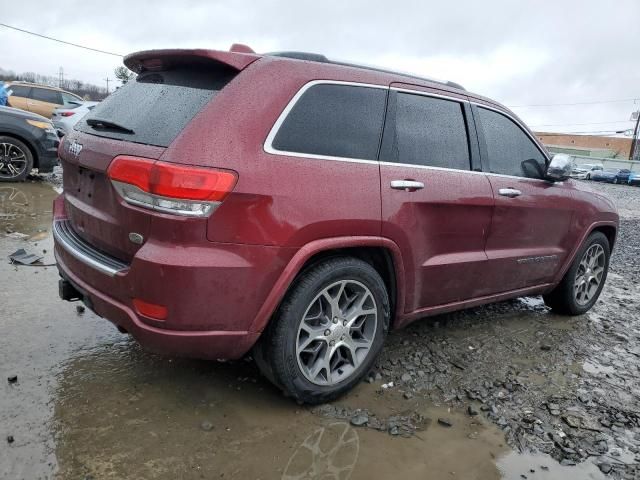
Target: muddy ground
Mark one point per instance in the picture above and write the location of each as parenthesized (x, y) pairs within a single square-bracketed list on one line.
[(504, 391)]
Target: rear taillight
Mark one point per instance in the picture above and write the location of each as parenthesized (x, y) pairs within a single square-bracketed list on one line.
[(67, 114), (168, 187)]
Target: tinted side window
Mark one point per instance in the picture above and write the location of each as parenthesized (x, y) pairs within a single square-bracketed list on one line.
[(70, 101), (430, 131), (45, 95), (334, 120), (19, 90), (510, 150)]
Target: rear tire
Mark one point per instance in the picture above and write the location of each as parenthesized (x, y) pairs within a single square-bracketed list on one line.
[(582, 284), (16, 160), (327, 332)]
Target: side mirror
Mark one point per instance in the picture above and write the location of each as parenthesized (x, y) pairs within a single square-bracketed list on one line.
[(559, 168)]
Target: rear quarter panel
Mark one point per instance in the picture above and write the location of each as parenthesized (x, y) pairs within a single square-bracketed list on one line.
[(278, 200)]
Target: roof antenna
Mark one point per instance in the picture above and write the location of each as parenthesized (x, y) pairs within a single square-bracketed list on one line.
[(241, 48)]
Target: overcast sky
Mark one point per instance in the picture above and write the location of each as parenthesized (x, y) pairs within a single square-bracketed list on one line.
[(517, 52)]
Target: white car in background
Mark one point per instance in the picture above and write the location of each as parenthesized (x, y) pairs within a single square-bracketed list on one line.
[(65, 118), (583, 171)]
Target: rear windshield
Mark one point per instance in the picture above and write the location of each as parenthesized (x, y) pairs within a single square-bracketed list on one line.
[(155, 107)]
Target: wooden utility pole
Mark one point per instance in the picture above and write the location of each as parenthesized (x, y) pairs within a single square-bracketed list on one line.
[(107, 80), (633, 155)]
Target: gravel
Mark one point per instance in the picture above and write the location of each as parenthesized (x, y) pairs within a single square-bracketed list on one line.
[(565, 386)]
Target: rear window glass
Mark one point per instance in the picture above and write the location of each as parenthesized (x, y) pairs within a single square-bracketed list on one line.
[(336, 121), (155, 107), (19, 90), (45, 95)]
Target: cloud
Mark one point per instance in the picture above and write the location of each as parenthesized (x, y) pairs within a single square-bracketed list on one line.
[(519, 53)]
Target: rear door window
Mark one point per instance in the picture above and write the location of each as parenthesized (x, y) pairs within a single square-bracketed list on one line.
[(430, 131), (156, 106), (19, 91), (510, 151), (335, 121), (70, 101), (46, 95)]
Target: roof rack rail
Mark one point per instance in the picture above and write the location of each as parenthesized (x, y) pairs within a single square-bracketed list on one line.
[(317, 57)]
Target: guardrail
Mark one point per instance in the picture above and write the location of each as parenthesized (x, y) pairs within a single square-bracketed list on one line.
[(607, 162)]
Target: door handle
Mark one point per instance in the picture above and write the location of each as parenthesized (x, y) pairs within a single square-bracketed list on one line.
[(509, 192), (408, 185)]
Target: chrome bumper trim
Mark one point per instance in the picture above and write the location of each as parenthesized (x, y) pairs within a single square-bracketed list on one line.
[(72, 243)]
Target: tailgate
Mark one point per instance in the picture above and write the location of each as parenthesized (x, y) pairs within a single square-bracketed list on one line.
[(140, 119), (96, 211)]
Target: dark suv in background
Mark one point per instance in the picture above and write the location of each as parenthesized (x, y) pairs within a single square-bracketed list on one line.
[(27, 141), (299, 208)]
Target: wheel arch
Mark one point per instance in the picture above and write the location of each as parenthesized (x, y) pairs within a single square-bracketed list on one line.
[(609, 231), (608, 228), (30, 146), (381, 253)]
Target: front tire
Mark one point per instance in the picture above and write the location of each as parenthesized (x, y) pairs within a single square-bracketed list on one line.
[(16, 160), (582, 284), (327, 332)]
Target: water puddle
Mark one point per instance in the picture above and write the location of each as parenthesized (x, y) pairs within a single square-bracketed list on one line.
[(25, 209), (535, 466), (123, 413)]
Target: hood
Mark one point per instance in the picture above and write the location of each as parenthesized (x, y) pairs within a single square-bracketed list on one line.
[(16, 112)]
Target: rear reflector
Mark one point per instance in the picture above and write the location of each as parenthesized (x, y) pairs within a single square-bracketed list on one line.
[(151, 310), (168, 187)]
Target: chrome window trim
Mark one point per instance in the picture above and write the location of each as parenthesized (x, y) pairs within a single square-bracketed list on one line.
[(268, 143), (270, 149), (521, 178), (430, 94), (429, 167), (520, 125)]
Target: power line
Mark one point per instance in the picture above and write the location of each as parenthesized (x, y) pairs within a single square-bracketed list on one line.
[(59, 41), (576, 124), (594, 102), (602, 132)]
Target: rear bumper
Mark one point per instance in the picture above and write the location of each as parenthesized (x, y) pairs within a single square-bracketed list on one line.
[(212, 292), (213, 345)]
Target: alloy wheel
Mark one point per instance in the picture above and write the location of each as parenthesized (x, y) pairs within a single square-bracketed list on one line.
[(336, 332), (589, 274), (13, 161)]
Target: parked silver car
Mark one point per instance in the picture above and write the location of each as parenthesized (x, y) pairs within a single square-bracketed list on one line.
[(584, 171), (65, 118)]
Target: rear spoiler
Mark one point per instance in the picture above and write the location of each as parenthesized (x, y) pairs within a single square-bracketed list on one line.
[(150, 60)]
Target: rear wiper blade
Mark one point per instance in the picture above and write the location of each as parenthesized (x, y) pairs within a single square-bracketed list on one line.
[(101, 123)]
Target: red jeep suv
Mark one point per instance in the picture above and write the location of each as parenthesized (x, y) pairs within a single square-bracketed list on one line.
[(299, 208)]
